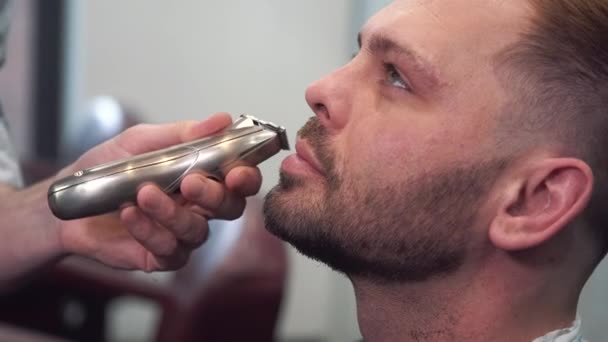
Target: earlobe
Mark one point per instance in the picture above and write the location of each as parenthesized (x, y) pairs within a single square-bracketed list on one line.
[(538, 205)]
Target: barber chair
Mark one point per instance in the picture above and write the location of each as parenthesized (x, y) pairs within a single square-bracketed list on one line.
[(230, 290)]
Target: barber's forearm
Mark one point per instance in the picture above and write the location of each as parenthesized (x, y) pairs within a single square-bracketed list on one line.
[(29, 234)]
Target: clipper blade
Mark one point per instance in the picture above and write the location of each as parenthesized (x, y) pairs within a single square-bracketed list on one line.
[(280, 130)]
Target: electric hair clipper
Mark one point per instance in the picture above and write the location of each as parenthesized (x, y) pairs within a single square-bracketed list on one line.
[(104, 188)]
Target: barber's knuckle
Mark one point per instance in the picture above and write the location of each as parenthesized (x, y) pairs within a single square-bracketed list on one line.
[(167, 249), (141, 231), (215, 198), (197, 232), (185, 233), (170, 214), (199, 238)]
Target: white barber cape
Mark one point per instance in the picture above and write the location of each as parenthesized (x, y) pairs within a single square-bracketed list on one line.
[(572, 334)]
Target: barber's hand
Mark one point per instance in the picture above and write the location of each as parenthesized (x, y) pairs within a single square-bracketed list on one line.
[(160, 231)]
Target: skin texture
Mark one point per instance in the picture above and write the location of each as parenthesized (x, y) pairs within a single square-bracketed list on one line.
[(431, 134), (388, 231), (158, 233), (401, 182)]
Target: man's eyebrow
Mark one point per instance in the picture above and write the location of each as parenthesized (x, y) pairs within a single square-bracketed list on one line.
[(380, 44)]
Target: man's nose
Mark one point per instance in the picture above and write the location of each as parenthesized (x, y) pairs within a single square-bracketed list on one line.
[(330, 98)]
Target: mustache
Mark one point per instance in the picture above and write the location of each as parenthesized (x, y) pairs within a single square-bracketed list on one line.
[(318, 138), (313, 131)]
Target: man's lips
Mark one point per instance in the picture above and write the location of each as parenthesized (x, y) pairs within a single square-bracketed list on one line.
[(304, 151), (304, 160)]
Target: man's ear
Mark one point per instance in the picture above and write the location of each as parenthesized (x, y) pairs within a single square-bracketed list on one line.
[(536, 206)]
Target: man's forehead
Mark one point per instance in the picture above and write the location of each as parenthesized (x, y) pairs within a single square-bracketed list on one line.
[(469, 24), (490, 5), (459, 18)]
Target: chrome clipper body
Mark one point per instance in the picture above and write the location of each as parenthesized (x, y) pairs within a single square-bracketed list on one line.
[(104, 188)]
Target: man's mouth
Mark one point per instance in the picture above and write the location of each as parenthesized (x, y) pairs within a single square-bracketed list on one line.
[(304, 151), (303, 161)]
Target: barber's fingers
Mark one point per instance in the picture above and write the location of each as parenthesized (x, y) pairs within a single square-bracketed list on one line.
[(241, 181), (161, 250), (149, 137), (210, 125), (245, 181), (189, 227), (212, 196), (155, 239), (173, 262), (165, 226)]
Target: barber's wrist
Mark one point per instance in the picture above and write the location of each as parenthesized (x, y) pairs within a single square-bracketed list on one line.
[(56, 247)]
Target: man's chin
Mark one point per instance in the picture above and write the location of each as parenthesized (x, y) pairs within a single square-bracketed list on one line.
[(290, 207), (288, 181)]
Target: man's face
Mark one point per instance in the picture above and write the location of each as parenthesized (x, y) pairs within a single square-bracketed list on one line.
[(390, 175)]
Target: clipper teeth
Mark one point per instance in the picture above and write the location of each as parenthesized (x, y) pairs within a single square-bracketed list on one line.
[(280, 130)]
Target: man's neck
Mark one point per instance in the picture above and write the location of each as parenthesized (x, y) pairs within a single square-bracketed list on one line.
[(462, 307)]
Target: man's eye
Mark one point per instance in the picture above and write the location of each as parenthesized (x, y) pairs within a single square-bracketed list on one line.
[(393, 77)]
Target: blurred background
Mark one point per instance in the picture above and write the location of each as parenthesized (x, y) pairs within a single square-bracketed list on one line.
[(78, 72)]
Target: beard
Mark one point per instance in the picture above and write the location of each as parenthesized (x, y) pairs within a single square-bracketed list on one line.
[(409, 228)]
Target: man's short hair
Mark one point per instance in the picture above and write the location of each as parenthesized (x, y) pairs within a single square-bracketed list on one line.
[(558, 76)]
